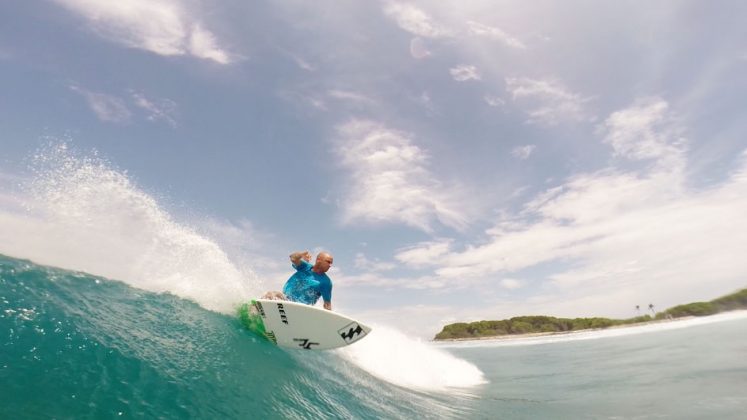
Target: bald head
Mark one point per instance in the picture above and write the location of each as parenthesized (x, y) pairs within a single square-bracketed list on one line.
[(323, 262)]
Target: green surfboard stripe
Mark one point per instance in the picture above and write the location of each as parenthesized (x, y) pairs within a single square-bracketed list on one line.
[(252, 320)]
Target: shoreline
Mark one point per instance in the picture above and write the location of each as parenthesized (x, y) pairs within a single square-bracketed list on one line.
[(507, 337)]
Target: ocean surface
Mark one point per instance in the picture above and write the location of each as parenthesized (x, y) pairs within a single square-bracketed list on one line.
[(77, 346)]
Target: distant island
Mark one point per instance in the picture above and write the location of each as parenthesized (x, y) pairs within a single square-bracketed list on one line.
[(548, 324)]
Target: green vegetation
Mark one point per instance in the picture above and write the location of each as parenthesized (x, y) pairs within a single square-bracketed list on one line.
[(737, 300), (540, 324)]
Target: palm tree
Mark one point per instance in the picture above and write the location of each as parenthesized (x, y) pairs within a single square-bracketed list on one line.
[(638, 309), (651, 308)]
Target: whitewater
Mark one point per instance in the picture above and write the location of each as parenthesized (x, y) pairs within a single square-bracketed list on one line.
[(112, 308)]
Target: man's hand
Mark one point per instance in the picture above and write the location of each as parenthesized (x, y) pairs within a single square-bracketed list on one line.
[(297, 256), (328, 306)]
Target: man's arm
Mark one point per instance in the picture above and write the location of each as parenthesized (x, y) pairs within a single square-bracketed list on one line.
[(326, 289)]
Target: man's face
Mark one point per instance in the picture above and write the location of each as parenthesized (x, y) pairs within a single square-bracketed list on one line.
[(323, 262)]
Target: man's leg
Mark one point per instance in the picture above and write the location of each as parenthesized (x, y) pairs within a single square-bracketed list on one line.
[(274, 295)]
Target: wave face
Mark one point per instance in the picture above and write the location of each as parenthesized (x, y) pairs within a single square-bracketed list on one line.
[(81, 346)]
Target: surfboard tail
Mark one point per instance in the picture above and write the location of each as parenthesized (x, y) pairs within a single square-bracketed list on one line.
[(250, 315)]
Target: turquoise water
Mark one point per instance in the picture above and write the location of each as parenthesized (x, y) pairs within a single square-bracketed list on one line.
[(699, 372), (80, 346), (74, 345)]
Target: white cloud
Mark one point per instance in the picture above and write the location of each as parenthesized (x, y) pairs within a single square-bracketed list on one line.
[(480, 29), (107, 108), (523, 152), (464, 72), (494, 101), (390, 181), (414, 20), (511, 284), (364, 263), (300, 61), (418, 48), (316, 103), (164, 27), (424, 254), (548, 101), (517, 192), (113, 109), (426, 102), (643, 131), (304, 99), (347, 95), (418, 22), (203, 44), (157, 109), (303, 64)]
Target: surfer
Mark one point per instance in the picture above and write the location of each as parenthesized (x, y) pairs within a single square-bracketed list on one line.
[(309, 282)]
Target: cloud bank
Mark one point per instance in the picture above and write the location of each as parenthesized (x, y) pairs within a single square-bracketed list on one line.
[(613, 233), (163, 27)]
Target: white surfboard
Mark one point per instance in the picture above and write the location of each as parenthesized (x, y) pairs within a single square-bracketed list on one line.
[(298, 326)]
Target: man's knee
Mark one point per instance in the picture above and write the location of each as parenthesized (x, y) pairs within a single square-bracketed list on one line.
[(274, 295)]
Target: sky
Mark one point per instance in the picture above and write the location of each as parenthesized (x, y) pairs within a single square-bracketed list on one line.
[(461, 160)]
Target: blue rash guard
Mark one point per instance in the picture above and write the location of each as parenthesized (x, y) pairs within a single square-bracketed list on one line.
[(306, 286)]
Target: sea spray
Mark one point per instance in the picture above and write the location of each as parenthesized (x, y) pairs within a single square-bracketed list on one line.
[(84, 215), (401, 360)]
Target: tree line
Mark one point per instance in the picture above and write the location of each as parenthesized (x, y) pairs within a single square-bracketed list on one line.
[(540, 324)]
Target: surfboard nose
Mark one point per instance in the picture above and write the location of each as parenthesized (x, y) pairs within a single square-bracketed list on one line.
[(353, 332)]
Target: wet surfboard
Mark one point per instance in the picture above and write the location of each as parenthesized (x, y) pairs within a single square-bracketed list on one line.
[(298, 326)]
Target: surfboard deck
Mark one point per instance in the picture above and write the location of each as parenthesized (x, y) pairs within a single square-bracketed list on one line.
[(298, 326)]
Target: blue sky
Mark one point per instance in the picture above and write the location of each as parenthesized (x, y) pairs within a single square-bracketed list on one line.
[(461, 160)]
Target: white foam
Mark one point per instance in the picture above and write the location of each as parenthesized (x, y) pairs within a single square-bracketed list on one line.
[(83, 215), (396, 358), (597, 334)]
